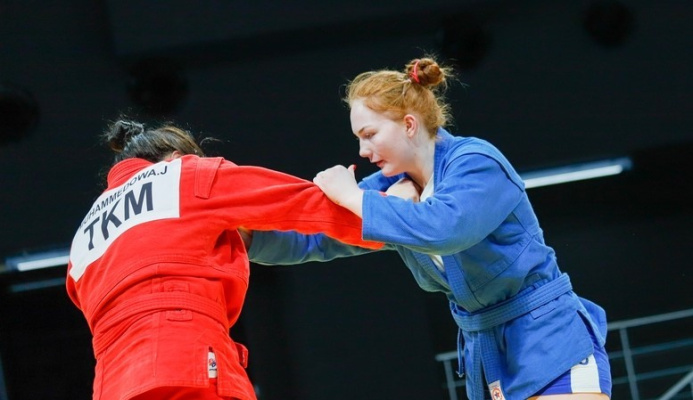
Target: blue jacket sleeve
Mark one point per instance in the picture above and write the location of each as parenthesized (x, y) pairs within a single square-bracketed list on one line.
[(288, 248), (473, 196)]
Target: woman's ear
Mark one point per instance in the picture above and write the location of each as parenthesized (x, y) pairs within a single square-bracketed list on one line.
[(173, 155), (411, 125)]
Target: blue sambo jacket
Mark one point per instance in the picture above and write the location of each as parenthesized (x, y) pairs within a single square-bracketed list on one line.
[(521, 325)]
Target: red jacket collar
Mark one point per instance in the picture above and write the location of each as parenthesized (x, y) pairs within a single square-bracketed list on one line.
[(125, 169)]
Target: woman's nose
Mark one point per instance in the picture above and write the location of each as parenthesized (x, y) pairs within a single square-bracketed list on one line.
[(364, 150)]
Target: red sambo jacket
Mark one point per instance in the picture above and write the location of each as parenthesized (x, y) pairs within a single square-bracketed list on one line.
[(160, 271)]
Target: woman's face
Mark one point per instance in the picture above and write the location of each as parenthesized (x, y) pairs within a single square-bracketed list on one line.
[(382, 140)]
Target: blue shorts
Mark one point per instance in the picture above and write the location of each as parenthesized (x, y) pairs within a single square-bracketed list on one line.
[(591, 375)]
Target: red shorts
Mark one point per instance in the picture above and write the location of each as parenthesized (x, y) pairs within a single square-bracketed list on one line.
[(183, 393)]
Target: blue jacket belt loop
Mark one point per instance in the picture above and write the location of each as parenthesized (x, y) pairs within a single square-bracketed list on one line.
[(485, 346)]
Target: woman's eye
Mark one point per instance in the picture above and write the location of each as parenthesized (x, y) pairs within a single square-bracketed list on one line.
[(365, 136)]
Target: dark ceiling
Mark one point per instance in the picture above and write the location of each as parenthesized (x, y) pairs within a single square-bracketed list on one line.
[(549, 82), (541, 81)]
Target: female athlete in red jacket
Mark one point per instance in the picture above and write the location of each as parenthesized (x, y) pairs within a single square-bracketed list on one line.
[(160, 271)]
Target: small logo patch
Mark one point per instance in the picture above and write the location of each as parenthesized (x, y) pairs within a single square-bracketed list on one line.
[(212, 364), (496, 392)]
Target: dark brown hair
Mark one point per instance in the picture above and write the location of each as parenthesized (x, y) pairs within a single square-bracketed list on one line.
[(130, 139)]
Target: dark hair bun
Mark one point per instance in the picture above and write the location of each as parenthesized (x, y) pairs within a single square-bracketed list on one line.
[(120, 133)]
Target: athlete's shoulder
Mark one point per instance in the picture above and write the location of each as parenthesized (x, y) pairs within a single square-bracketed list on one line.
[(449, 147), (193, 162), (471, 144)]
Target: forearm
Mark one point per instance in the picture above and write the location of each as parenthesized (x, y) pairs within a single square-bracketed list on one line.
[(288, 248), (354, 202)]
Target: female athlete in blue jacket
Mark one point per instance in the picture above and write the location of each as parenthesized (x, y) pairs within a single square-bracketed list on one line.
[(457, 213)]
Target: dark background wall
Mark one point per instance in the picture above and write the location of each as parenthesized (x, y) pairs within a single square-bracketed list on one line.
[(266, 78)]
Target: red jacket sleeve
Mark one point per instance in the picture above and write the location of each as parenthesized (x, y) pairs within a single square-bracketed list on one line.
[(262, 199)]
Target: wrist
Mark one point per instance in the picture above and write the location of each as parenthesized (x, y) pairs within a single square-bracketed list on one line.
[(354, 202)]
